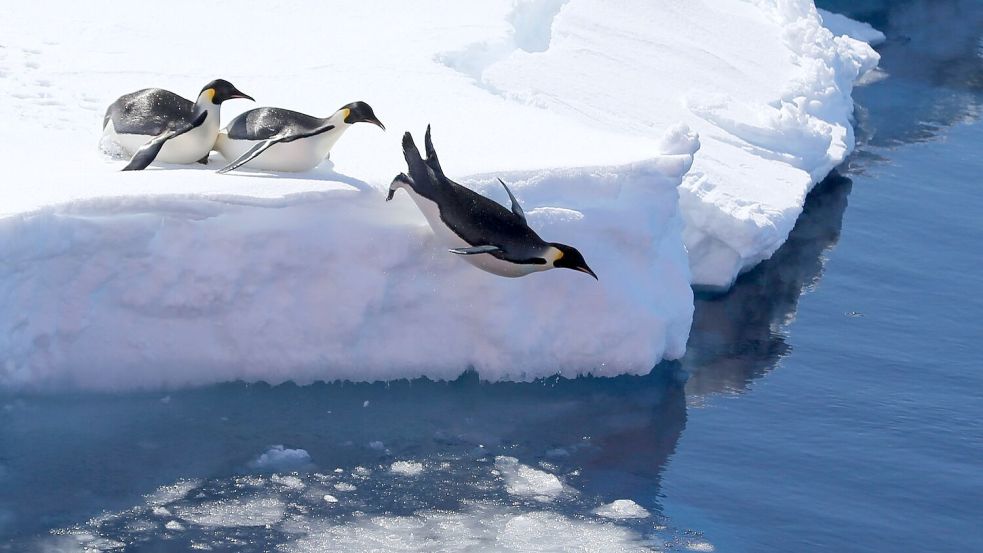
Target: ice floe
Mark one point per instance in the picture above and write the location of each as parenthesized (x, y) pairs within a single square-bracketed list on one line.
[(656, 138)]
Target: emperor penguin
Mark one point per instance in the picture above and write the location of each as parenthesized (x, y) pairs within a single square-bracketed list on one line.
[(277, 139), (157, 124), (482, 231)]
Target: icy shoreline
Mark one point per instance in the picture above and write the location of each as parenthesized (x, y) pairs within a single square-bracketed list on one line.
[(177, 276)]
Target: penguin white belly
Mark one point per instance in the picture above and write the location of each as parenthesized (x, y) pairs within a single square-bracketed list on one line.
[(187, 148), (298, 155), (483, 261)]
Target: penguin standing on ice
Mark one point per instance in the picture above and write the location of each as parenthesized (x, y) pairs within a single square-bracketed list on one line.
[(154, 124), (279, 139), (486, 234)]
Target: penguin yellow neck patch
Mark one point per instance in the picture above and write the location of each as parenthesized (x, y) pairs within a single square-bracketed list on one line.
[(210, 94), (555, 254), (345, 112)]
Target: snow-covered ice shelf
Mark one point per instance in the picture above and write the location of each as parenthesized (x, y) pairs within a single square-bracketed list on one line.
[(591, 111)]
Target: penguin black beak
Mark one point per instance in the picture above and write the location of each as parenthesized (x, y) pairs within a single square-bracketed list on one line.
[(586, 269), (377, 123), (236, 93)]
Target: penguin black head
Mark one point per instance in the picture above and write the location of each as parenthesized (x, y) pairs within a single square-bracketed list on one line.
[(571, 258), (222, 90), (360, 112)]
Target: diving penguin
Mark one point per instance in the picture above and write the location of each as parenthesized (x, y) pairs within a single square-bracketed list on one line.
[(486, 234), (156, 124), (279, 139)]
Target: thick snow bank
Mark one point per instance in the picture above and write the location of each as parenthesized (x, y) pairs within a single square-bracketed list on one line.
[(178, 275), (163, 290)]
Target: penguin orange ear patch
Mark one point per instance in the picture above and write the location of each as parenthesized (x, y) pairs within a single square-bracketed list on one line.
[(211, 94)]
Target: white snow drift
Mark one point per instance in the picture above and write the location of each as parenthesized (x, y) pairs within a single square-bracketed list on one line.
[(177, 275)]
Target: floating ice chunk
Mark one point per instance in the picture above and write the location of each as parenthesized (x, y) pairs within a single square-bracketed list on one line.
[(174, 525), (702, 546), (170, 493), (377, 445), (620, 509), (839, 25), (289, 481), (279, 458), (344, 487), (526, 481), (406, 468), (479, 527), (255, 511), (330, 498)]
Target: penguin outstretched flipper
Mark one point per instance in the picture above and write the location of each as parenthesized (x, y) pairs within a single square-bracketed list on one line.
[(258, 149), (475, 250), (148, 152)]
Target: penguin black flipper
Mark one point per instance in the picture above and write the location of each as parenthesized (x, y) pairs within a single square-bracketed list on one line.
[(148, 152), (204, 160), (516, 208), (475, 250), (258, 149)]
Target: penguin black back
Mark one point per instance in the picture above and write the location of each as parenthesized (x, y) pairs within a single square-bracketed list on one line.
[(476, 219), (265, 123), (150, 111)]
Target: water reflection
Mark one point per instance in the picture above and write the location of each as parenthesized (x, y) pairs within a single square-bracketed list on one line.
[(741, 335)]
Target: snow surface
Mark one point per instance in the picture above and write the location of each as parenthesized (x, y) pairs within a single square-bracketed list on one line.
[(176, 275)]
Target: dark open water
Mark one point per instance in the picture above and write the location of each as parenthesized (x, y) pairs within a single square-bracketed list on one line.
[(833, 401)]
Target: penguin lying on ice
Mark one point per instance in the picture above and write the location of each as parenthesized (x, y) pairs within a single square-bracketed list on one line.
[(486, 234), (154, 124), (282, 140)]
